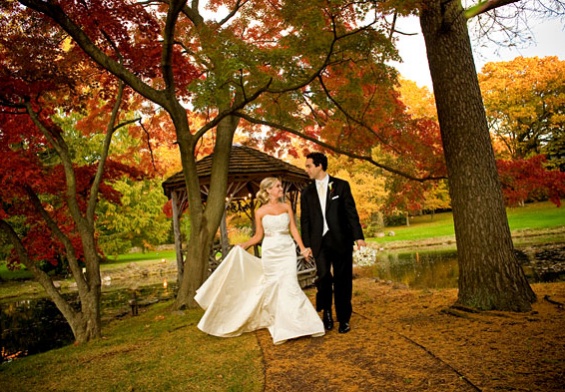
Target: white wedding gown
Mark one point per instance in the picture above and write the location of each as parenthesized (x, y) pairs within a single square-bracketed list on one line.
[(246, 293)]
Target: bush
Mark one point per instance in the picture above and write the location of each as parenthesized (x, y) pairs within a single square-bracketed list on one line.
[(395, 220)]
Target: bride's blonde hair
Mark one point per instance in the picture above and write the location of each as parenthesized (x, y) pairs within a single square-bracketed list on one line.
[(266, 184)]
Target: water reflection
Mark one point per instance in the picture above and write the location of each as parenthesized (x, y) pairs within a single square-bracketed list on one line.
[(435, 270), (30, 327), (418, 270), (34, 326)]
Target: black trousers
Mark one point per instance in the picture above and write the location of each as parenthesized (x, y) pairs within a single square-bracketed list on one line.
[(334, 279)]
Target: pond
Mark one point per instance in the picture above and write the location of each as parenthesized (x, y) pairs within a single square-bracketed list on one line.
[(435, 270), (34, 326), (418, 270), (30, 327)]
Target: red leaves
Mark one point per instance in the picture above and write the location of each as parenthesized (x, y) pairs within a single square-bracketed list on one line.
[(21, 174), (128, 33), (527, 179)]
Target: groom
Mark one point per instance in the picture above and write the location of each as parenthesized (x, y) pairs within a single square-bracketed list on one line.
[(330, 225)]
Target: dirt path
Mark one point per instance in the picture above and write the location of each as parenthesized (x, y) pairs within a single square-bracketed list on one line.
[(408, 340)]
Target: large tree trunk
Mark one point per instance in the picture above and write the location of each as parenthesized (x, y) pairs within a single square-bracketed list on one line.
[(205, 221), (490, 276), (85, 323)]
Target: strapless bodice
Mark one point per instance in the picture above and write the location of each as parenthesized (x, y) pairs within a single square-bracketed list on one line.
[(276, 224)]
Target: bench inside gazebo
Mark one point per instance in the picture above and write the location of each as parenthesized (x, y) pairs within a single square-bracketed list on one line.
[(247, 167)]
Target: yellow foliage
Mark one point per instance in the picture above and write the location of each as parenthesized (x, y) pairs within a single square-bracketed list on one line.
[(419, 101), (524, 100)]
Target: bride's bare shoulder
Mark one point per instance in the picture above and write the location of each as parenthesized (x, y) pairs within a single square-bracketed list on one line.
[(261, 211)]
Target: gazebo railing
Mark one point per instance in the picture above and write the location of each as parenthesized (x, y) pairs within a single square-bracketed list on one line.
[(305, 268), (306, 271)]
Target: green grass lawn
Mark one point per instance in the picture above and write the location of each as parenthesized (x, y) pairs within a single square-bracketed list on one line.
[(535, 216), (421, 227), (139, 258), (156, 255), (20, 274)]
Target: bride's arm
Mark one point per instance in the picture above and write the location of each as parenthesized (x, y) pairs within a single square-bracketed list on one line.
[(296, 235), (258, 236)]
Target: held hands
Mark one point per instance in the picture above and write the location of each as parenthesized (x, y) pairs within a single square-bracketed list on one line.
[(307, 253)]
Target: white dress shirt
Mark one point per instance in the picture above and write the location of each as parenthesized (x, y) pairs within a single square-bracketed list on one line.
[(322, 188)]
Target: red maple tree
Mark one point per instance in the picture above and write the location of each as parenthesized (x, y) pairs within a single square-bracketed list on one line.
[(48, 191)]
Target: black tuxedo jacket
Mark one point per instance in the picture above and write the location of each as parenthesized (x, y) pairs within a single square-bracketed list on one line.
[(341, 216)]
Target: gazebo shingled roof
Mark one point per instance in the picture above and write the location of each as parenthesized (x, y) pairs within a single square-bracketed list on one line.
[(246, 164)]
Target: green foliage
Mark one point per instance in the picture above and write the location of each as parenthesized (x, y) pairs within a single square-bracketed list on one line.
[(437, 198), (395, 220), (138, 221)]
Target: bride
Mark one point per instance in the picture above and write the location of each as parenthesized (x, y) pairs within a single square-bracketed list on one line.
[(246, 293)]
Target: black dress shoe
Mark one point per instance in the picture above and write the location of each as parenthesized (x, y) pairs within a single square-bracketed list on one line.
[(328, 320), (344, 328)]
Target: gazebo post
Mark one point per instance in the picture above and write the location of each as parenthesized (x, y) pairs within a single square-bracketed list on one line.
[(177, 211)]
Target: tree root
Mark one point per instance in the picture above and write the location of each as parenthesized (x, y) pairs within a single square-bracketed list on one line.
[(560, 305), (454, 312), (465, 308)]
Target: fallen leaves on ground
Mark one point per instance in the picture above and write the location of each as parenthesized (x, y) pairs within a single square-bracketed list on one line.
[(403, 339)]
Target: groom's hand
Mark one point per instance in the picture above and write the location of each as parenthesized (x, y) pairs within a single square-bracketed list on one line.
[(360, 243), (307, 253)]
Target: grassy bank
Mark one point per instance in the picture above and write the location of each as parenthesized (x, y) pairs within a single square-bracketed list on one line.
[(119, 262), (402, 339), (158, 350)]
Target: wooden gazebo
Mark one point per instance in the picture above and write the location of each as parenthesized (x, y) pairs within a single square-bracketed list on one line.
[(247, 167)]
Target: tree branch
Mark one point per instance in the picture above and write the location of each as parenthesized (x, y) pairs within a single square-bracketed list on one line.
[(110, 129), (149, 144), (485, 6), (336, 149), (175, 8), (239, 4), (54, 137), (41, 276), (231, 111), (55, 12), (346, 113), (71, 252)]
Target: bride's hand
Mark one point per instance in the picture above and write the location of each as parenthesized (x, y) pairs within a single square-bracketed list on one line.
[(307, 253)]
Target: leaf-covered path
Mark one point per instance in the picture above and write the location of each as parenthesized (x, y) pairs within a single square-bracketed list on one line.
[(410, 340)]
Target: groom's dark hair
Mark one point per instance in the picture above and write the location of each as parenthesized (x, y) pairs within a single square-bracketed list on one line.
[(318, 159)]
